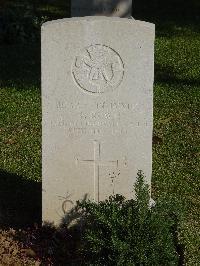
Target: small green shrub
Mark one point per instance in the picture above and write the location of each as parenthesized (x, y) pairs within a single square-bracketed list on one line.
[(130, 232)]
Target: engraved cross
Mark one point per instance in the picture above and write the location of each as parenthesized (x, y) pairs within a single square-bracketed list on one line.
[(97, 162)]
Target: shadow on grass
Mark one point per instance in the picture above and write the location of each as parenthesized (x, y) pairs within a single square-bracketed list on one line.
[(20, 201), (169, 16), (20, 66), (169, 75)]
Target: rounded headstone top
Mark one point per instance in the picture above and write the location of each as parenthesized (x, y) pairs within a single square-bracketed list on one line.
[(81, 20)]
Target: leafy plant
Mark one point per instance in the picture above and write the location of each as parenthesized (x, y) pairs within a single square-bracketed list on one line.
[(130, 232)]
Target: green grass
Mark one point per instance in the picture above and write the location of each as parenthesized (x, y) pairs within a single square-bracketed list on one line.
[(20, 110), (20, 128), (176, 165), (176, 117)]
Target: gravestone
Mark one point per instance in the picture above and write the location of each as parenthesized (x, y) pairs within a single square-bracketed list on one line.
[(115, 8), (97, 89)]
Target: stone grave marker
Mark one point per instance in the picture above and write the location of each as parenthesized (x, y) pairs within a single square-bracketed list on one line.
[(97, 104), (115, 8)]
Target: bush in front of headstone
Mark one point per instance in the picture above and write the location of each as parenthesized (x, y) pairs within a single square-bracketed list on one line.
[(131, 232)]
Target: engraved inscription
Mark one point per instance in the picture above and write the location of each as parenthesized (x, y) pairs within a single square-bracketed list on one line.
[(98, 69), (66, 202), (116, 118), (113, 178), (109, 105), (97, 162)]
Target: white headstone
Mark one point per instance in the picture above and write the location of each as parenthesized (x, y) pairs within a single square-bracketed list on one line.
[(115, 8), (97, 87)]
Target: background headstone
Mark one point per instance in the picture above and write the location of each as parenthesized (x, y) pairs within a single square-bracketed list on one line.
[(97, 89), (115, 8)]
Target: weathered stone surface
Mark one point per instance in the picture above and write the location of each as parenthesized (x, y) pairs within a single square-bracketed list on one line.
[(113, 8), (97, 89)]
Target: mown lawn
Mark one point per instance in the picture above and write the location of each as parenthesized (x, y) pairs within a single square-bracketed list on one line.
[(176, 151), (20, 111), (177, 124)]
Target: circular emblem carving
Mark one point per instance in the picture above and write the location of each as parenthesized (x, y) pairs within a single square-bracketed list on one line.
[(98, 69)]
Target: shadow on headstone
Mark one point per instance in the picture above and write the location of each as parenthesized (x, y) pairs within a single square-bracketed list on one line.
[(74, 216), (20, 201)]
